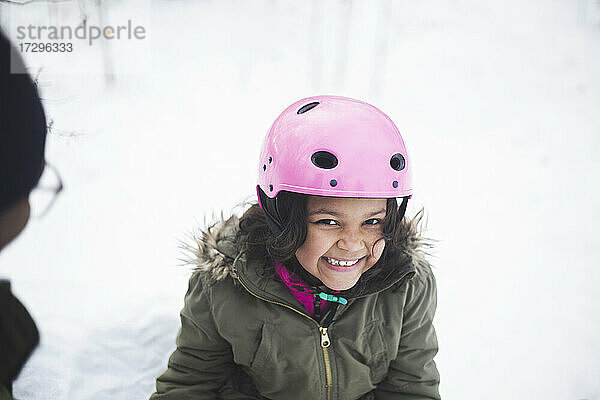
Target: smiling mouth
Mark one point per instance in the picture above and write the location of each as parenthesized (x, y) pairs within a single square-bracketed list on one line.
[(342, 263)]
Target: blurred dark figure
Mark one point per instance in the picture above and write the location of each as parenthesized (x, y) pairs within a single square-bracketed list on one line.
[(22, 142)]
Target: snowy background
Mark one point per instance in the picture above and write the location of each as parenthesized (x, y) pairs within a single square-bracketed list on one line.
[(498, 103)]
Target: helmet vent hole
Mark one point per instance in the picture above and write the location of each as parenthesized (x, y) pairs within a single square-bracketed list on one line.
[(270, 159), (333, 183), (395, 184), (307, 107), (270, 188), (264, 167), (397, 162), (324, 159)]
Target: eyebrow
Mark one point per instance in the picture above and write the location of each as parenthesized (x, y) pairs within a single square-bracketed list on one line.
[(336, 214)]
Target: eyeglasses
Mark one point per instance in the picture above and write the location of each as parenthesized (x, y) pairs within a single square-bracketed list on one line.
[(43, 196)]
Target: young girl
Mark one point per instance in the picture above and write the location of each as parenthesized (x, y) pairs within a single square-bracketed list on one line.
[(321, 289)]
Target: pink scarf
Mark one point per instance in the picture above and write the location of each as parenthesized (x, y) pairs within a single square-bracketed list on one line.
[(288, 278)]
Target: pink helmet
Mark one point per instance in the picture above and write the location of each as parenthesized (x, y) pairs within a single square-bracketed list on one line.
[(334, 146)]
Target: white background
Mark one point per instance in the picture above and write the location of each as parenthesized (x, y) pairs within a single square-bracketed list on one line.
[(498, 103)]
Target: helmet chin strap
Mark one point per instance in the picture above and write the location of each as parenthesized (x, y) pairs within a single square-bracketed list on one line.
[(402, 208), (266, 203), (274, 221)]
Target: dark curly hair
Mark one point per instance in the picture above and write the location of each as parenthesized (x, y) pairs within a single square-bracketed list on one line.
[(261, 244)]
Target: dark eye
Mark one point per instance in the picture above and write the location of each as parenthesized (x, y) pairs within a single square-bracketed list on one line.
[(373, 221), (326, 222)]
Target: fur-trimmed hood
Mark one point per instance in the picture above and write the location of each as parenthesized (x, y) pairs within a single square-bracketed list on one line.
[(214, 250)]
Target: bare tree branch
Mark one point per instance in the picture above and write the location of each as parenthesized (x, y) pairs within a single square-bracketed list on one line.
[(63, 133)]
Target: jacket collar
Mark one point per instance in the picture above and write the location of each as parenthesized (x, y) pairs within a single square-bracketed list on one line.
[(214, 253)]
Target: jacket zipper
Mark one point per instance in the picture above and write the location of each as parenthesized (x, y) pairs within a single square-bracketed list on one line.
[(325, 341)]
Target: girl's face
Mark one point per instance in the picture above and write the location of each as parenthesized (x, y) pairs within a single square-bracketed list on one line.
[(344, 239)]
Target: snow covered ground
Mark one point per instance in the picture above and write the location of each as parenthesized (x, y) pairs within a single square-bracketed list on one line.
[(498, 102)]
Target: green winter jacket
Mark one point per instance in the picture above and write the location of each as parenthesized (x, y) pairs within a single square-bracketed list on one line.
[(244, 336)]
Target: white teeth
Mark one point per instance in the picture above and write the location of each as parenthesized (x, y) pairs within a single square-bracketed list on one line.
[(333, 261)]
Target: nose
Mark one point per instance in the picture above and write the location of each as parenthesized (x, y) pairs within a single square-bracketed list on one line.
[(351, 242)]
